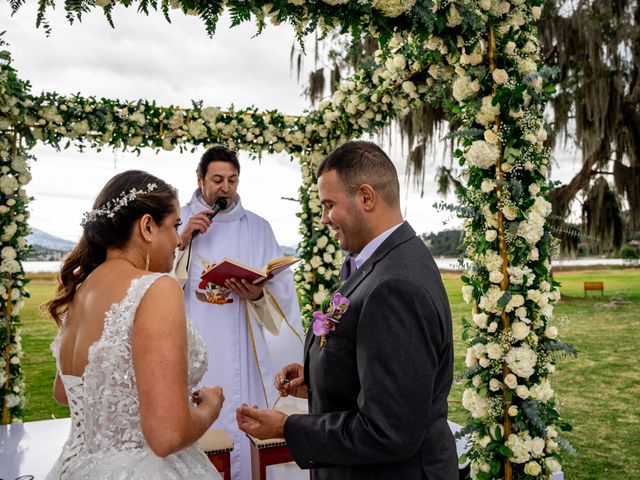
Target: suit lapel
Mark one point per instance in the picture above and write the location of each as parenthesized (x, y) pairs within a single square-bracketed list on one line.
[(402, 234)]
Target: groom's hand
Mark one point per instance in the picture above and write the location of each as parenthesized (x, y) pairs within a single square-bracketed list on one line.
[(290, 381), (261, 423)]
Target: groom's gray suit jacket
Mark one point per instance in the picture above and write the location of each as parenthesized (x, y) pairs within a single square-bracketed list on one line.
[(378, 387)]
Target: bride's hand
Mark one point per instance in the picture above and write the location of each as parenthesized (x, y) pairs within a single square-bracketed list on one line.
[(209, 397)]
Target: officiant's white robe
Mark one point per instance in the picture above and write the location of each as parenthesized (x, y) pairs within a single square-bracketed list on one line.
[(248, 342)]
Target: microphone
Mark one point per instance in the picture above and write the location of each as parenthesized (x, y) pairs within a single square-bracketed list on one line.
[(219, 204)]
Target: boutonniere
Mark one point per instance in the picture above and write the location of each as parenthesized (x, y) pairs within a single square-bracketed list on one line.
[(326, 319)]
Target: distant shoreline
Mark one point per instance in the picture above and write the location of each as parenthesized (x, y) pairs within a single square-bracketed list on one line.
[(449, 265)]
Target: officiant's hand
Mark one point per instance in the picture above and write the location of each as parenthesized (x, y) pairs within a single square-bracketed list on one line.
[(244, 289), (261, 423), (199, 222), (290, 381)]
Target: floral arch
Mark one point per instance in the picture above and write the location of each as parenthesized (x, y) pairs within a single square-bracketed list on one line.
[(479, 59)]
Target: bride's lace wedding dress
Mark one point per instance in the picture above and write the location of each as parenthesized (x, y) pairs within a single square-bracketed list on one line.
[(106, 440)]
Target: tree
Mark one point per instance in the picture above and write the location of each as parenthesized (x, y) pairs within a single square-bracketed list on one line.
[(594, 45)]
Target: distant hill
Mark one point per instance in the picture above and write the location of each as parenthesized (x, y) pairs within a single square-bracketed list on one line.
[(45, 246), (49, 247), (445, 243)]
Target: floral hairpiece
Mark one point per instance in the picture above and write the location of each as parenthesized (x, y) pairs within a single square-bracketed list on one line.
[(110, 208)]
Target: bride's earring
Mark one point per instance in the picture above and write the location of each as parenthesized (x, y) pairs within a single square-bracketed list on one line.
[(147, 262)]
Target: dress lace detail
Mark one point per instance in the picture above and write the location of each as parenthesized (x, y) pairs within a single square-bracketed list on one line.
[(106, 439)]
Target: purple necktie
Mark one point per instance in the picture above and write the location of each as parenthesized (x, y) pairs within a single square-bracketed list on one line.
[(348, 267)]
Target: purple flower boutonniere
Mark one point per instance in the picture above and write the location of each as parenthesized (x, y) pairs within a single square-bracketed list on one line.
[(325, 320)]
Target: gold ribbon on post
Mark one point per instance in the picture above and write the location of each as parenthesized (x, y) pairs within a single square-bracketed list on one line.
[(502, 248)]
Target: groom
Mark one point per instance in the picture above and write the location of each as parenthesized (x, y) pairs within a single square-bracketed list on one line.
[(377, 385)]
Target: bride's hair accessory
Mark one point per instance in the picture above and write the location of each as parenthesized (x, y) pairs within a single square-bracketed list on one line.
[(110, 208)]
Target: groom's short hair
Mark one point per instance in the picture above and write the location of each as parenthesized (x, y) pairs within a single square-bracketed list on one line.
[(217, 153), (359, 162)]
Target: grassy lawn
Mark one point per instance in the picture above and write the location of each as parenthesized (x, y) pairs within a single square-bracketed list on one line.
[(599, 391)]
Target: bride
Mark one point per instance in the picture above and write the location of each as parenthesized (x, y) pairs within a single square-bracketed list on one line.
[(126, 356)]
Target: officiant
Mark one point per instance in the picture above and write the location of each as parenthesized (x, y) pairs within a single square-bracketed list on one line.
[(249, 329)]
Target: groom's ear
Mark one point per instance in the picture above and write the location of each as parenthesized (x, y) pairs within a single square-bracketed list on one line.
[(367, 197)]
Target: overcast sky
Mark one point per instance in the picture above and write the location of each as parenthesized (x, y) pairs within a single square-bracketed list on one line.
[(146, 57)]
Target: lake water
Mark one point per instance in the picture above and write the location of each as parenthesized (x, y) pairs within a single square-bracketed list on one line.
[(443, 264)]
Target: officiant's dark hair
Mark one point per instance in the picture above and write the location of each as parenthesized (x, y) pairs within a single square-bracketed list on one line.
[(358, 162), (217, 153), (111, 228)]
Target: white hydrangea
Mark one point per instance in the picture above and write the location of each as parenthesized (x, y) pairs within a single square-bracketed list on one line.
[(492, 260), (464, 87), (476, 404), (8, 184), (480, 319), (519, 445), (521, 361), (488, 112), (527, 66), (489, 301), (390, 8), (542, 391), (482, 154)]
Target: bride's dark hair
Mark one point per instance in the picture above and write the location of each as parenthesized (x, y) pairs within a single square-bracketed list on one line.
[(104, 231)]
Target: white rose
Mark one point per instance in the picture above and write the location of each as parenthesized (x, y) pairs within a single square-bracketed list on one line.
[(534, 189), (532, 468), (510, 212), (491, 235), (467, 293), (522, 391), (534, 254), (495, 384), (500, 76), (494, 351), (504, 7), (487, 186), (511, 381), (491, 137), (551, 332), (493, 326), (495, 276), (536, 12), (520, 330), (513, 411)]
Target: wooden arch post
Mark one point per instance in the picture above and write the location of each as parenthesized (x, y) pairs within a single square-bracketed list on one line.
[(502, 249)]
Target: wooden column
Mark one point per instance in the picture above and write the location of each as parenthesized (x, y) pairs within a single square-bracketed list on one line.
[(502, 249)]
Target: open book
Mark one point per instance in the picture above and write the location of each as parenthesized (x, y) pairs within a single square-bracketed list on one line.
[(228, 268)]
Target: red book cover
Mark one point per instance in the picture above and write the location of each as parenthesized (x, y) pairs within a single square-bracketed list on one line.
[(228, 268)]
